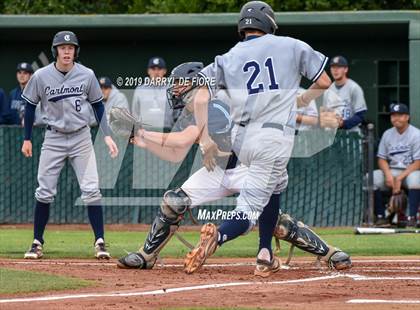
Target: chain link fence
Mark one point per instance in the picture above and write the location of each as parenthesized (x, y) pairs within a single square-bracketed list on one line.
[(324, 189)]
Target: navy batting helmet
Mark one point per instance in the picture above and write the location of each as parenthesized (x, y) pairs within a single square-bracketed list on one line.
[(256, 15), (64, 37), (185, 72)]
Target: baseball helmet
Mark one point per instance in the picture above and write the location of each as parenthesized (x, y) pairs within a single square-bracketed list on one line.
[(185, 71), (256, 15), (64, 37)]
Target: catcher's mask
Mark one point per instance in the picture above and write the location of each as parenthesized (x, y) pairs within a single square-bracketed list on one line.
[(182, 79)]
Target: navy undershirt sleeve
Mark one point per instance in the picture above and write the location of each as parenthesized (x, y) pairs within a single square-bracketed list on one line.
[(99, 110), (355, 120), (29, 120)]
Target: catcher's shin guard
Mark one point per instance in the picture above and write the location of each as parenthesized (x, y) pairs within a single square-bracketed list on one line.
[(298, 234), (174, 205)]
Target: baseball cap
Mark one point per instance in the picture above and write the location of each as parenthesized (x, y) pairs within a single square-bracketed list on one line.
[(105, 82), (157, 62), (339, 61), (24, 66), (400, 108)]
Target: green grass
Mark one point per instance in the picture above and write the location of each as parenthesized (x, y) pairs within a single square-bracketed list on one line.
[(79, 244), (18, 281)]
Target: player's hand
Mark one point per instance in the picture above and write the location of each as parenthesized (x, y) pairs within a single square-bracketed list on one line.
[(389, 181), (340, 121), (397, 186), (138, 139), (27, 148), (112, 147), (300, 102), (210, 151)]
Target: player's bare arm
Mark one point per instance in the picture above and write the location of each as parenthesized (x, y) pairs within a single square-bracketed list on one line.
[(384, 166), (307, 119), (400, 178), (172, 146), (208, 147), (314, 91)]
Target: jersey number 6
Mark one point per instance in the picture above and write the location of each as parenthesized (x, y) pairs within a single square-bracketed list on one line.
[(77, 105), (259, 88)]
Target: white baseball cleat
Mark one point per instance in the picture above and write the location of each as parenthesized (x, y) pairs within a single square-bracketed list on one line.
[(100, 250), (35, 251)]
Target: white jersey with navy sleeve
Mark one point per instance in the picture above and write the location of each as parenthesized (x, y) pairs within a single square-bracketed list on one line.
[(263, 84), (400, 150), (64, 98)]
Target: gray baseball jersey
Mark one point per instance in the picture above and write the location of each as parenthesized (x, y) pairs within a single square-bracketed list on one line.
[(151, 106), (400, 150), (64, 98), (116, 99), (348, 98), (263, 84)]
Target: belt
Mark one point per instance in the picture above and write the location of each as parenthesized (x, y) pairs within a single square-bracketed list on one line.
[(65, 133), (272, 125)]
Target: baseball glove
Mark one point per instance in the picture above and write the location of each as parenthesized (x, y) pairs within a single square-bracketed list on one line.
[(398, 203), (328, 119), (122, 123)]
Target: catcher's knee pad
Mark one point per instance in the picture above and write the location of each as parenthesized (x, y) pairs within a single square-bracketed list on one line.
[(174, 205), (295, 232)]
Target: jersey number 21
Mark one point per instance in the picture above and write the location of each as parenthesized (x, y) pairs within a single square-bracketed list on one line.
[(255, 66)]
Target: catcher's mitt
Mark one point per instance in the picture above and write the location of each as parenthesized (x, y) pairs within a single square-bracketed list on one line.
[(398, 203), (122, 123), (328, 119)]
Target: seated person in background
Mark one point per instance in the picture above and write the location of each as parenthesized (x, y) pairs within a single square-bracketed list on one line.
[(16, 113), (3, 106), (345, 96), (149, 100), (399, 162), (112, 96)]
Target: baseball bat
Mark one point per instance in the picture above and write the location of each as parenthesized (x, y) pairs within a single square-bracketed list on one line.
[(383, 231)]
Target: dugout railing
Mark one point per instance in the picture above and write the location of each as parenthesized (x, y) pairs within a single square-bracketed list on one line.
[(324, 190)]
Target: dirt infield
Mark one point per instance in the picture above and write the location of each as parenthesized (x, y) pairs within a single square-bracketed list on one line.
[(393, 282)]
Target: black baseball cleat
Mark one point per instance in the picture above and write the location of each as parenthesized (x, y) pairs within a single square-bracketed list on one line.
[(339, 261), (132, 261)]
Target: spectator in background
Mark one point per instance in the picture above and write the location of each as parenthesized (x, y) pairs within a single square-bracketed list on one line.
[(149, 101), (345, 96), (399, 162), (16, 107), (3, 105), (112, 96)]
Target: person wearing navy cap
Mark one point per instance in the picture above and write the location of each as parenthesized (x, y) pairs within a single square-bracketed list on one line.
[(113, 97), (16, 106), (149, 100), (399, 163), (345, 96)]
